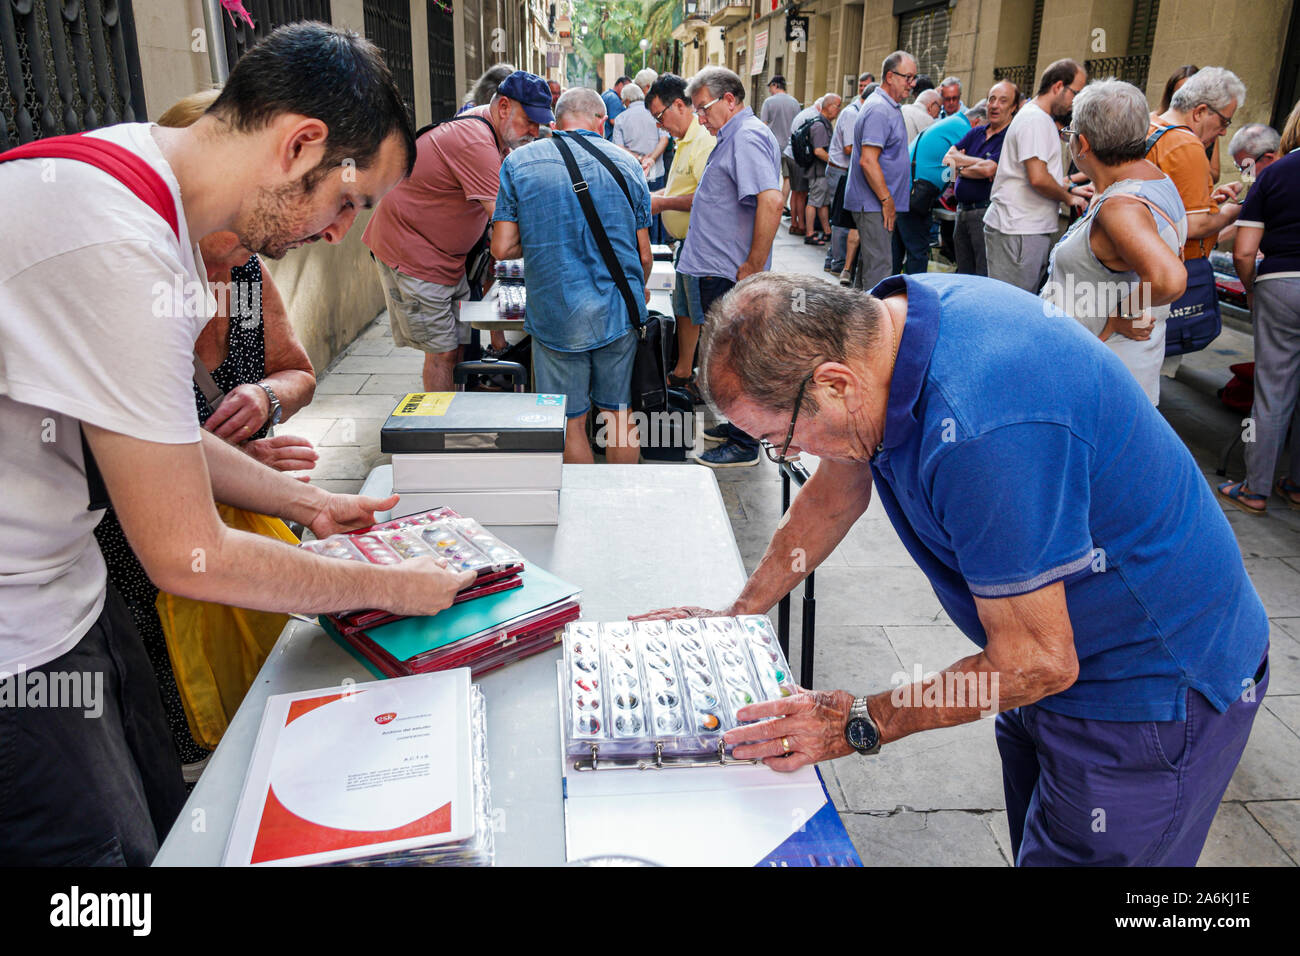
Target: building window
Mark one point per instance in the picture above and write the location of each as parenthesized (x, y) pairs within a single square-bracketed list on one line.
[(267, 15), (388, 26)]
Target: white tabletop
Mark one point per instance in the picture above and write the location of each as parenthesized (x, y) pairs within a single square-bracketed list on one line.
[(634, 537)]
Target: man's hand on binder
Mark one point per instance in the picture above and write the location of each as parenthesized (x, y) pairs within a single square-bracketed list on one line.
[(423, 586), (795, 731)]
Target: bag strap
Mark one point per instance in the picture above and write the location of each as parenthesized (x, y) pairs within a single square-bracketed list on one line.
[(609, 165), (593, 220), (1155, 137), (128, 168), (212, 392), (1146, 202), (464, 116)]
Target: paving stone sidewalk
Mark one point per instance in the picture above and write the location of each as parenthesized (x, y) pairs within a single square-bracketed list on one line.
[(934, 798)]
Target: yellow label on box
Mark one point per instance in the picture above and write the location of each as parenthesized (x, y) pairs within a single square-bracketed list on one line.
[(425, 403)]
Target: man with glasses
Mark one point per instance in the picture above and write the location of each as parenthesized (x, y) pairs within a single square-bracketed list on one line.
[(1022, 220), (1254, 148), (1200, 111), (1125, 667), (880, 178), (672, 110), (734, 217), (950, 97)]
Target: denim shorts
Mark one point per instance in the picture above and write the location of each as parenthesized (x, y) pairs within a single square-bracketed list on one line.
[(601, 376), (686, 298)]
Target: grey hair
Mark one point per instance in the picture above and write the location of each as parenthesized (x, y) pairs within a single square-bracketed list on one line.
[(950, 81), (631, 93), (772, 329), (929, 96), (646, 77), (1255, 139), (1212, 86), (1114, 116), (579, 100), (979, 111), (719, 81), (864, 77), (485, 87), (892, 61), (826, 96)]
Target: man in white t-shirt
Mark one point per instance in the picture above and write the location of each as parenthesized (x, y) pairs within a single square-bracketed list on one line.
[(1022, 220), (99, 309)]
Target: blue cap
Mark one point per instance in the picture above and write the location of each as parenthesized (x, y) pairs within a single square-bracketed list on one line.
[(531, 92)]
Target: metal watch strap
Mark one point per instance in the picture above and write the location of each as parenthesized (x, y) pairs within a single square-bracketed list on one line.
[(859, 710), (275, 401)]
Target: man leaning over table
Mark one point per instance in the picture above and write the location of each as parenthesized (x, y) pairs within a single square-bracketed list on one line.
[(1126, 649), (96, 380), (671, 108), (734, 218)]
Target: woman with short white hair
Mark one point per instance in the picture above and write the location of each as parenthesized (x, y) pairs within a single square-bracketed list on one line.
[(1117, 268)]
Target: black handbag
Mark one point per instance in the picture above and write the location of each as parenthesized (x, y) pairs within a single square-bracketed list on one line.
[(924, 193), (650, 367)]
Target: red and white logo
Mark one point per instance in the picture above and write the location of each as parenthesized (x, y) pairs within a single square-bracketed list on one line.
[(384, 718)]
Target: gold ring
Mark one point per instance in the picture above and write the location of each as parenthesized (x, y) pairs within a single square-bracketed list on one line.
[(785, 742)]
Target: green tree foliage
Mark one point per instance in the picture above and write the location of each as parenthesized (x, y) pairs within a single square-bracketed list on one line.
[(618, 27)]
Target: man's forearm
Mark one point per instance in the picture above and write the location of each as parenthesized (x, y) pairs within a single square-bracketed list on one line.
[(874, 175), (767, 219), (1201, 225), (240, 481), (821, 514), (660, 204)]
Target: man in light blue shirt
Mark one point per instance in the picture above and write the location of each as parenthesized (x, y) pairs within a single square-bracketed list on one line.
[(879, 174), (912, 237), (583, 338), (734, 217)]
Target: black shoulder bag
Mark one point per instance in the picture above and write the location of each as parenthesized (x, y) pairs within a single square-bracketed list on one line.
[(649, 369)]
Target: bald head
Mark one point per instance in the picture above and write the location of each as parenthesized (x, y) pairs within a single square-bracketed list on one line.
[(931, 102)]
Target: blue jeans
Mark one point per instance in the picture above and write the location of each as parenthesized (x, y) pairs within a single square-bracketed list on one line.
[(1112, 793), (602, 375), (713, 288)]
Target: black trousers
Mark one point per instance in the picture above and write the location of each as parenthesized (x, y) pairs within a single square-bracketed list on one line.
[(89, 778)]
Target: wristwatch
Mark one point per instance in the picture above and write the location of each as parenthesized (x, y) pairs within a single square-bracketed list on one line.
[(276, 410), (861, 731)]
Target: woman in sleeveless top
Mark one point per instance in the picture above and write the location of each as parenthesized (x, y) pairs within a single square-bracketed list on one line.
[(1117, 268)]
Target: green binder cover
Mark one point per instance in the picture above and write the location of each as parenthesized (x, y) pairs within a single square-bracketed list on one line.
[(413, 636)]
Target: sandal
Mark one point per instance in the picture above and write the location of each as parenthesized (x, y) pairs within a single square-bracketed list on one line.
[(1238, 492), (1286, 488)]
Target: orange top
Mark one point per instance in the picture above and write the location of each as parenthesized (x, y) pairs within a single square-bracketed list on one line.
[(1180, 154), (429, 222)]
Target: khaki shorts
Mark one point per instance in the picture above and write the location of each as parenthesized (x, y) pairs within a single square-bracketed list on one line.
[(423, 314)]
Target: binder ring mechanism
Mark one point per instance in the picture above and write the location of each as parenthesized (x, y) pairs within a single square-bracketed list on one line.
[(660, 762)]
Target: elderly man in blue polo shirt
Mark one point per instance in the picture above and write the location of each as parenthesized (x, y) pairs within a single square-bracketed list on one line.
[(734, 217), (1122, 642), (879, 175)]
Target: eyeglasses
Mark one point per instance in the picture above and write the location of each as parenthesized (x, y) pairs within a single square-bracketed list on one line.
[(659, 117), (780, 458), (707, 106), (1066, 132), (1226, 121), (909, 77), (1073, 91), (1245, 165)]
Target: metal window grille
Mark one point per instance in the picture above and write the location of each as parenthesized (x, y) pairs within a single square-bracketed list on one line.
[(442, 59), (924, 34), (267, 15), (67, 66), (388, 26)]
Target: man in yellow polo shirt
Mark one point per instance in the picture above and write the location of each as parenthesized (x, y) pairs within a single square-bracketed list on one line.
[(671, 107)]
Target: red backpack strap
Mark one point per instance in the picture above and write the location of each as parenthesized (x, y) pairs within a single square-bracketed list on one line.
[(128, 168)]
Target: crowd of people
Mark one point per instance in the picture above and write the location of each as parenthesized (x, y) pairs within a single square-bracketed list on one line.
[(908, 382)]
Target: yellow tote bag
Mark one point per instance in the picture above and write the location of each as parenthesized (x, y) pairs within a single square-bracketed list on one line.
[(216, 650)]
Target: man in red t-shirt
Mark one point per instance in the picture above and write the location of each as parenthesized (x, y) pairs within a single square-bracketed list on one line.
[(422, 231)]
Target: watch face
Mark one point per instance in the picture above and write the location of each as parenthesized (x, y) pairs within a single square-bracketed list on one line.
[(276, 412), (862, 734)]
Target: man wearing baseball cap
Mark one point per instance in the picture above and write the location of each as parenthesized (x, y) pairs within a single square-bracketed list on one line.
[(422, 231)]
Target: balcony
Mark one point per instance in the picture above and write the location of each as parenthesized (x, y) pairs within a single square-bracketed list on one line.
[(687, 25), (1022, 76), (723, 13), (1132, 69)]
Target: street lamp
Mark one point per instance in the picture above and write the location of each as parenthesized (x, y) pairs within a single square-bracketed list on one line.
[(584, 29), (644, 45)]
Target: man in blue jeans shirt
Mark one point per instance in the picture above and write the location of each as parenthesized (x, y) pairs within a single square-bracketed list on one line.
[(734, 217), (1118, 637), (583, 340)]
